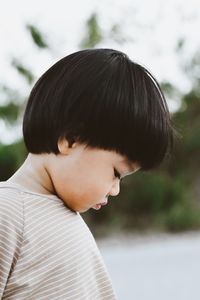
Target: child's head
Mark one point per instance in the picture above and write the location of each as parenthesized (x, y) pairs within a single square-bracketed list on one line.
[(101, 99)]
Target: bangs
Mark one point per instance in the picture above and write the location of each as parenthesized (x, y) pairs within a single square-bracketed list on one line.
[(125, 112)]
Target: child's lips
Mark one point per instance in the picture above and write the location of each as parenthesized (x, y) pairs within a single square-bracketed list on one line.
[(97, 206)]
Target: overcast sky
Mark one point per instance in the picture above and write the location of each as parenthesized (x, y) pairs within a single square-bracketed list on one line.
[(151, 30)]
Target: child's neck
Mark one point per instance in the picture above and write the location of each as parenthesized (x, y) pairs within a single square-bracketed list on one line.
[(33, 175)]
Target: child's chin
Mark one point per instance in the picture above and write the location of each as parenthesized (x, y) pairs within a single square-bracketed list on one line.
[(82, 210)]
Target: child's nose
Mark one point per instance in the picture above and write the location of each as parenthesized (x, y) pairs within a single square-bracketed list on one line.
[(115, 188)]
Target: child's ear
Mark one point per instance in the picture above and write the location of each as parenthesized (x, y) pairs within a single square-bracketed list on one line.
[(64, 146)]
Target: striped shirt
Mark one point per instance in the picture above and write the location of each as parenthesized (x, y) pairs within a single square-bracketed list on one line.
[(46, 250)]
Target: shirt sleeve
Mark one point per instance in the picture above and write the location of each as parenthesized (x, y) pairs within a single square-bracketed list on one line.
[(11, 232)]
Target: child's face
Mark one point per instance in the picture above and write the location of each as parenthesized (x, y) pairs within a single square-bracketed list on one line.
[(85, 177)]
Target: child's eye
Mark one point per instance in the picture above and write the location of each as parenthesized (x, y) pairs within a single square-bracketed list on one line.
[(117, 175)]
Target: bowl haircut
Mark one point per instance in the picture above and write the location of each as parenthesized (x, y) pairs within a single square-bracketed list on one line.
[(103, 99)]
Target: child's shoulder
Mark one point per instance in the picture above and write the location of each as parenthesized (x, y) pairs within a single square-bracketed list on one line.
[(9, 196), (11, 212)]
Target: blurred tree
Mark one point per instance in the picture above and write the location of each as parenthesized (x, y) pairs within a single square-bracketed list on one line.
[(11, 156), (11, 106), (93, 34), (37, 36), (13, 101), (116, 35), (9, 112), (27, 74)]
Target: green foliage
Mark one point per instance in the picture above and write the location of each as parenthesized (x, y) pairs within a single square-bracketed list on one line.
[(180, 44), (9, 112), (192, 145), (192, 68), (27, 74), (169, 89), (188, 152), (10, 108), (37, 36), (11, 157), (151, 193), (181, 218), (143, 197), (93, 33), (116, 35)]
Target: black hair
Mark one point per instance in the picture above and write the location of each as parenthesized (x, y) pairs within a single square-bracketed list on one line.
[(103, 99)]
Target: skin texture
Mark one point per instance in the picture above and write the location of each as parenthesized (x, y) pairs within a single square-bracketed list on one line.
[(82, 177)]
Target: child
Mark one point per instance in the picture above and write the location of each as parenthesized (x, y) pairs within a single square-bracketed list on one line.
[(91, 119)]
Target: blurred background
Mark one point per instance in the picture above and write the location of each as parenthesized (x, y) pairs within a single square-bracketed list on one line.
[(149, 235)]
